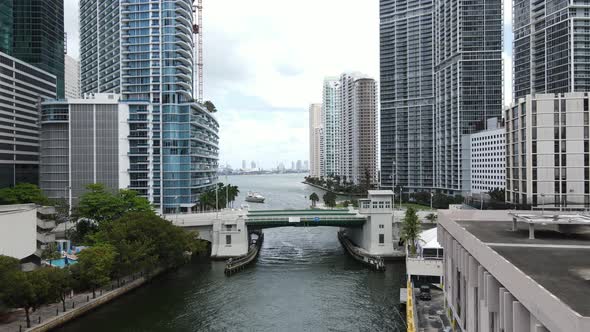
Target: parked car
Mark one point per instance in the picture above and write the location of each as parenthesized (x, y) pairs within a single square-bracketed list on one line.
[(425, 293)]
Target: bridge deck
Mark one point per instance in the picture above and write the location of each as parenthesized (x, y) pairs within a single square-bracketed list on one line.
[(303, 218)]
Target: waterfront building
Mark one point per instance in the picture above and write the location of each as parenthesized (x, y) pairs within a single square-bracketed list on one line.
[(358, 147), (500, 276), (84, 141), (407, 93), (22, 87), (550, 47), (72, 77), (484, 159), (331, 117), (315, 139), (468, 80), (548, 154), (33, 31), (24, 231), (144, 51)]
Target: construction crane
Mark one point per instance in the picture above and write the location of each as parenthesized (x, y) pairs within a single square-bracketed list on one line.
[(198, 50)]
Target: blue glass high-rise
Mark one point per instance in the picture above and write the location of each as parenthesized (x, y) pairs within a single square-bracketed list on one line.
[(143, 49)]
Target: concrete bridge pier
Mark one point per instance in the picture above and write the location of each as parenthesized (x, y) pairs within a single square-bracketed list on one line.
[(229, 239)]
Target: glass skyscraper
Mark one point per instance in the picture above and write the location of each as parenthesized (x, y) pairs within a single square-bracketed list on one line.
[(33, 31), (407, 93), (468, 79), (144, 51), (551, 42)]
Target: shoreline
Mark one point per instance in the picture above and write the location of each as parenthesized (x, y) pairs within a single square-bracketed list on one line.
[(338, 193)]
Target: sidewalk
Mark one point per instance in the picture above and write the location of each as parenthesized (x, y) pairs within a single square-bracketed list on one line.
[(48, 312)]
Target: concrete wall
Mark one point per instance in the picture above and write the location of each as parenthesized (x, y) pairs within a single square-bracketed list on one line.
[(229, 239), (18, 230)]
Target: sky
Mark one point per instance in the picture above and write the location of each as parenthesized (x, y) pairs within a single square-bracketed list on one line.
[(265, 61)]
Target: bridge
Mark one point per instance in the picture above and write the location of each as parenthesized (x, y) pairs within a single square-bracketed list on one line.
[(372, 227), (259, 219)]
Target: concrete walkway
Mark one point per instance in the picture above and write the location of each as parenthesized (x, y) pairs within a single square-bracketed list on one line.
[(18, 321), (431, 314)]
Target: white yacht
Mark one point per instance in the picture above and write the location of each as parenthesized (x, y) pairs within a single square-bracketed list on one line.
[(254, 198)]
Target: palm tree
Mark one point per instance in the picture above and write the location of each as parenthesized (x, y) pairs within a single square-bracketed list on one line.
[(433, 217), (411, 229), (314, 198)]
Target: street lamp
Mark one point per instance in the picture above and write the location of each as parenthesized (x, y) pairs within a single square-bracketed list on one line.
[(542, 204)]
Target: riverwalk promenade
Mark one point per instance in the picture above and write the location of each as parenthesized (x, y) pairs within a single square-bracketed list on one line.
[(50, 316)]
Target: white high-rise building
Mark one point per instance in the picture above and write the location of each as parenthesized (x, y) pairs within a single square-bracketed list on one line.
[(315, 139), (484, 159), (548, 153), (72, 77), (144, 51), (331, 109)]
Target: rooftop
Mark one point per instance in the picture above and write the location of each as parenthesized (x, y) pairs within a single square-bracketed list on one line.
[(557, 261)]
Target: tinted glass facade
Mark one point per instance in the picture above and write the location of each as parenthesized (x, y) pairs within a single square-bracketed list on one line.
[(22, 86), (6, 28), (38, 36), (551, 47), (468, 79), (407, 93)]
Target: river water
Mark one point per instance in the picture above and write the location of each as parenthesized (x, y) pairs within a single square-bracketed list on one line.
[(302, 281)]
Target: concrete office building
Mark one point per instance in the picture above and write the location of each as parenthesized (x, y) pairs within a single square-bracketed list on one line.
[(550, 47), (548, 154), (358, 149), (407, 93), (331, 119), (22, 87), (72, 77), (468, 80), (84, 141), (498, 278), (315, 139), (33, 31), (484, 159), (144, 51)]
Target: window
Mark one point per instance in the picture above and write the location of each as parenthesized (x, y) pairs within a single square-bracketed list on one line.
[(381, 238), (228, 240), (381, 226)]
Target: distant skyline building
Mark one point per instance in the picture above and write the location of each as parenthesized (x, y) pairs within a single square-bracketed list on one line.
[(33, 31), (358, 150), (548, 156), (306, 165), (253, 165), (550, 47), (243, 164), (468, 80), (407, 93), (72, 78), (315, 140), (299, 165), (331, 117), (144, 51), (21, 87)]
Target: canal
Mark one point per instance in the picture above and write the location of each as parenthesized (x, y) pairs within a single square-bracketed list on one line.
[(302, 281)]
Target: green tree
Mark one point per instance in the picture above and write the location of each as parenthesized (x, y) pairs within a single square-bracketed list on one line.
[(497, 194), (210, 106), (96, 265), (22, 193), (98, 205), (20, 294), (8, 265), (432, 217), (50, 252), (61, 283), (411, 229), (314, 199), (329, 199)]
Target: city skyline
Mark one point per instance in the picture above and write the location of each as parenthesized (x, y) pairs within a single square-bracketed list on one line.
[(263, 107)]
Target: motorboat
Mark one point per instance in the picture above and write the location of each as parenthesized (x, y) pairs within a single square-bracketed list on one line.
[(254, 198)]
